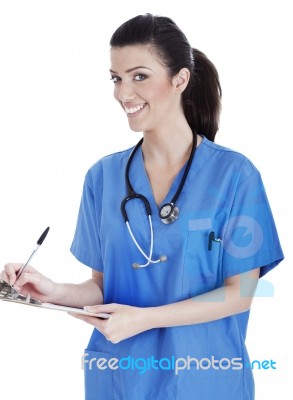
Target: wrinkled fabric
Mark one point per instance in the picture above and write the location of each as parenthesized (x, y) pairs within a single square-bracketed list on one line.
[(223, 194)]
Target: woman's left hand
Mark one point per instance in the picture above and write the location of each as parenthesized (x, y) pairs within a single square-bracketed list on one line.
[(125, 321)]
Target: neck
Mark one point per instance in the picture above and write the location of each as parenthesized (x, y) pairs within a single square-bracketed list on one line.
[(168, 146)]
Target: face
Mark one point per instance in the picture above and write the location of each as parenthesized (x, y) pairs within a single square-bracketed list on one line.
[(143, 88)]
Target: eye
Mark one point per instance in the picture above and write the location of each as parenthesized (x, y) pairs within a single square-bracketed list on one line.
[(115, 78), (140, 77)]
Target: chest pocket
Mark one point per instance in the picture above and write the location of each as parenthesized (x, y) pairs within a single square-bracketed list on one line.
[(202, 263)]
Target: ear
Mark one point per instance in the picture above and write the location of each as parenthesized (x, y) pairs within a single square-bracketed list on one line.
[(180, 80)]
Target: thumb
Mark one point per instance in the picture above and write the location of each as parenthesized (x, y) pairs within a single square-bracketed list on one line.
[(101, 308)]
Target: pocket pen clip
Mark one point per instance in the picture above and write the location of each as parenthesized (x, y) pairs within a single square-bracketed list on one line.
[(212, 238)]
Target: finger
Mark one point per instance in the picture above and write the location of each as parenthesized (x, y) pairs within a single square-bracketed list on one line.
[(101, 308), (11, 270), (27, 277), (4, 276), (94, 321)]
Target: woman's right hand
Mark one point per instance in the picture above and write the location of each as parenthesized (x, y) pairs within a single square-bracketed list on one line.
[(30, 281)]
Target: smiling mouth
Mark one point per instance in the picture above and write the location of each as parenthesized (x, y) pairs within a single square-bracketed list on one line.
[(133, 111)]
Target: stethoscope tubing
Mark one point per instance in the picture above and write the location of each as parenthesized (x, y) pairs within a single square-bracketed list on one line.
[(132, 196), (166, 219)]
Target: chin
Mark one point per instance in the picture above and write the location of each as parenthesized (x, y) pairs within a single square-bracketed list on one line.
[(137, 128)]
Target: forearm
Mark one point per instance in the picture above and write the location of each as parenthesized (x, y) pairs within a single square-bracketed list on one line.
[(234, 297), (216, 304), (220, 303), (79, 295)]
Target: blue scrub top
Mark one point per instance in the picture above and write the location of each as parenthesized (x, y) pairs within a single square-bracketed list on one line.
[(223, 194)]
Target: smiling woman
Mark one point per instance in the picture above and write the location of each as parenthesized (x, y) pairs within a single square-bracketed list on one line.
[(188, 296)]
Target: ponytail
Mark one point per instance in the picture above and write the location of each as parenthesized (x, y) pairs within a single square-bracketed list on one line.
[(202, 97)]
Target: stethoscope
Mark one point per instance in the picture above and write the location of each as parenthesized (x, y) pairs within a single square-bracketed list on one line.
[(168, 212)]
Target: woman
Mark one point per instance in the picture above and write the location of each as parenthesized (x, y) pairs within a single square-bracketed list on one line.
[(179, 317)]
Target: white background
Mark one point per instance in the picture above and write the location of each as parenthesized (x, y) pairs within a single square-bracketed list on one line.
[(58, 117)]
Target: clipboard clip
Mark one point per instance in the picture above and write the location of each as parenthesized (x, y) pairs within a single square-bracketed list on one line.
[(8, 293)]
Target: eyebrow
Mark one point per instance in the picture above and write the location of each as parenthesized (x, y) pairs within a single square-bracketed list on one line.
[(131, 69)]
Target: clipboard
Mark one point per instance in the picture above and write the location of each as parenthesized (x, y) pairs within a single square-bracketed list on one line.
[(10, 295)]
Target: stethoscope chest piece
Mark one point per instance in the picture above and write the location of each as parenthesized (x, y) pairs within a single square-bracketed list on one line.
[(168, 213)]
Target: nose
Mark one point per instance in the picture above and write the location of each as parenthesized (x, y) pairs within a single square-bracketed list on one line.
[(125, 92)]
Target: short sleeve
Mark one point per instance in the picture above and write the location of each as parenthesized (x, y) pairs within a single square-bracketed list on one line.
[(86, 242), (250, 237)]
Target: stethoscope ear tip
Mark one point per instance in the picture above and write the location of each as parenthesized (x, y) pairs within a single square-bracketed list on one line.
[(135, 265), (163, 258)]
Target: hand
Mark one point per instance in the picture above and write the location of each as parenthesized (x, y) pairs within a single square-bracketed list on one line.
[(31, 281), (124, 322)]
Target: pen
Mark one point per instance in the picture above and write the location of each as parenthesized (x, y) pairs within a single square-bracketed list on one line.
[(39, 242), (212, 238)]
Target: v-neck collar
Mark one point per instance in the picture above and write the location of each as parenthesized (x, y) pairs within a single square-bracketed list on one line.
[(141, 183), (172, 189)]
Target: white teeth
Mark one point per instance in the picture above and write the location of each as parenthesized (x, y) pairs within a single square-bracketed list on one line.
[(134, 109)]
